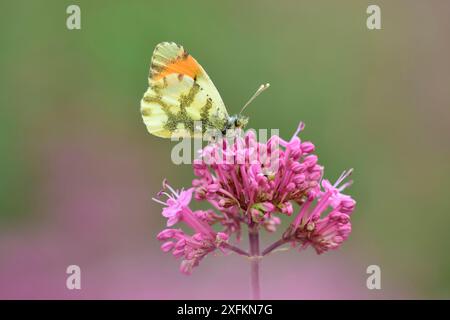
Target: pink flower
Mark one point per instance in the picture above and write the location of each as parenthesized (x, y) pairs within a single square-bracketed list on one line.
[(258, 178), (311, 227), (176, 203), (191, 248), (253, 183)]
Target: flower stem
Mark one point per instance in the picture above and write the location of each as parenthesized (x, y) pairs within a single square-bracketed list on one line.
[(253, 236), (273, 246), (235, 249)]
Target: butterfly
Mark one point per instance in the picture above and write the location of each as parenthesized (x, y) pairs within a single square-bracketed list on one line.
[(181, 100)]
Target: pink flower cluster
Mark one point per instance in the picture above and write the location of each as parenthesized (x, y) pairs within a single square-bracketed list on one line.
[(192, 248), (321, 229), (248, 182)]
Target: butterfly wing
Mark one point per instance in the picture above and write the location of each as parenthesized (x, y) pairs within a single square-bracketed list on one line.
[(180, 95)]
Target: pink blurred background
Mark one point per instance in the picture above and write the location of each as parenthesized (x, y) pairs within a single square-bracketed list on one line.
[(78, 169)]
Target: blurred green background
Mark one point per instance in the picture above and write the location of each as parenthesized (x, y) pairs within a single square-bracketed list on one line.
[(78, 168)]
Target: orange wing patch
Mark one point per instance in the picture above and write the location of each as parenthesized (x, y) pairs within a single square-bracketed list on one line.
[(169, 58), (187, 66)]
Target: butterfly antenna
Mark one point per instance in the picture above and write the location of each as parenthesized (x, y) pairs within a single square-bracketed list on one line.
[(257, 93)]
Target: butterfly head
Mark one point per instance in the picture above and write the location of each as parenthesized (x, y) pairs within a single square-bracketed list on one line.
[(237, 121)]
